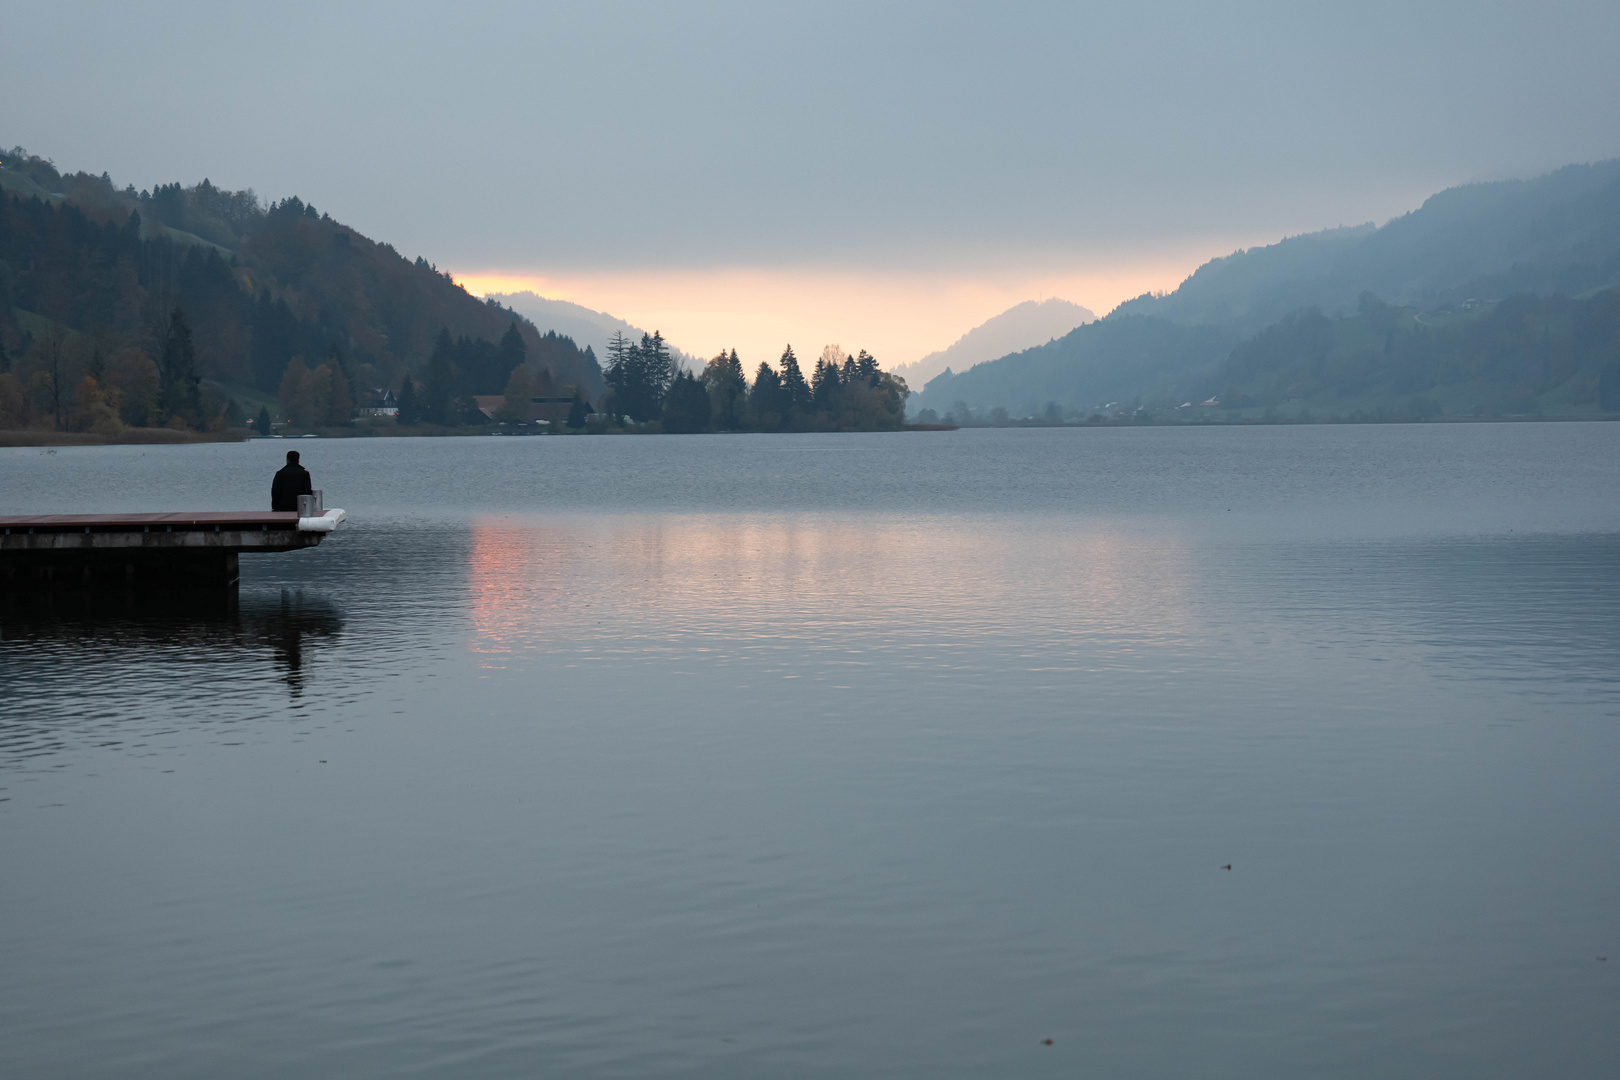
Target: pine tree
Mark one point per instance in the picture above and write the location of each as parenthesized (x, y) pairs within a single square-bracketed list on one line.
[(178, 383), (728, 388), (796, 391), (439, 388), (660, 365), (637, 375), (578, 411), (824, 386), (410, 408), (767, 399), (617, 373), (653, 373), (686, 406), (263, 422), (513, 352)]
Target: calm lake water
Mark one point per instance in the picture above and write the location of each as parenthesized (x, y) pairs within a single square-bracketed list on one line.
[(883, 755)]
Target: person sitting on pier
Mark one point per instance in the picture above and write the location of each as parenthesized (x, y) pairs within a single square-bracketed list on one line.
[(291, 482)]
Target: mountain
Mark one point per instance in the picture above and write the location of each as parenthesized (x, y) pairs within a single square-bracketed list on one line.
[(1454, 260), (1521, 356), (1112, 360), (1020, 327), (260, 285), (1555, 233), (587, 328)]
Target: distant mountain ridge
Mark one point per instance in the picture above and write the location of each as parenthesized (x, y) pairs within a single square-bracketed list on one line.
[(1019, 327), (585, 326), (1558, 232), (1461, 253)]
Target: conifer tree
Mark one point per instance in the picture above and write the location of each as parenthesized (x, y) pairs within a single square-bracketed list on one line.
[(617, 372), (657, 370), (410, 407), (439, 388), (513, 352), (727, 386), (263, 421), (796, 392), (177, 370), (767, 399), (686, 405), (638, 375), (824, 386)]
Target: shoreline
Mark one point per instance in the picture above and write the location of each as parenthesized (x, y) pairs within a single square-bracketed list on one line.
[(128, 437), (168, 437)]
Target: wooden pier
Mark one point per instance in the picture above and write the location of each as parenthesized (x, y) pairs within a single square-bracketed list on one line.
[(163, 551)]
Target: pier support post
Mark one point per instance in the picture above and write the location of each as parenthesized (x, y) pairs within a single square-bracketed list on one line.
[(173, 569)]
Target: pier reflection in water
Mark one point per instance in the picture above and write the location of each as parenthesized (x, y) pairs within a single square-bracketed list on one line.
[(113, 667)]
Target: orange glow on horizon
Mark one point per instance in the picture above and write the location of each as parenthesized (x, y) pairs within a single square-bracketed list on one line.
[(898, 316)]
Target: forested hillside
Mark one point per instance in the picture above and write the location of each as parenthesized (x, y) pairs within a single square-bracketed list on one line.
[(1446, 293), (1525, 355), (93, 279), (1555, 233), (1116, 359)]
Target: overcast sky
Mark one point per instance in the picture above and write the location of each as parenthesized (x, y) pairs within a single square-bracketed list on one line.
[(886, 175)]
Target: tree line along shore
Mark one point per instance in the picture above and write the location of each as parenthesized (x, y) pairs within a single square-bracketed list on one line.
[(192, 313)]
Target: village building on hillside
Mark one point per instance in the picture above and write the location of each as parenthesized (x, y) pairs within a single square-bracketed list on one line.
[(382, 403), (550, 411)]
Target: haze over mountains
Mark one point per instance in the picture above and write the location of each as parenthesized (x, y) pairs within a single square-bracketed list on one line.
[(1019, 327), (1490, 299), (587, 328), (1416, 315)]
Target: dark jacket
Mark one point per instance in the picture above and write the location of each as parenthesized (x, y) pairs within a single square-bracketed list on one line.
[(290, 482)]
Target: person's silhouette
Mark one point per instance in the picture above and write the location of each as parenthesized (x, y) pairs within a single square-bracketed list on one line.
[(290, 482)]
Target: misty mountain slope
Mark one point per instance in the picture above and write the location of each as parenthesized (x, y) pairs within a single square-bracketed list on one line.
[(1020, 327), (260, 284), (1110, 360), (1555, 234), (1524, 355), (584, 326), (1464, 237), (1553, 230), (1255, 287)]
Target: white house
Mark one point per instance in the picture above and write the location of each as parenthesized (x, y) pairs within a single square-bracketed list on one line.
[(382, 404)]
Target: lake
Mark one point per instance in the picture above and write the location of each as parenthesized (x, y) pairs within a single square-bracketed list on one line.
[(1224, 752)]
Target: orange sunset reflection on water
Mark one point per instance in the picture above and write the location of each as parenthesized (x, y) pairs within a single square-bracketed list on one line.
[(735, 585)]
